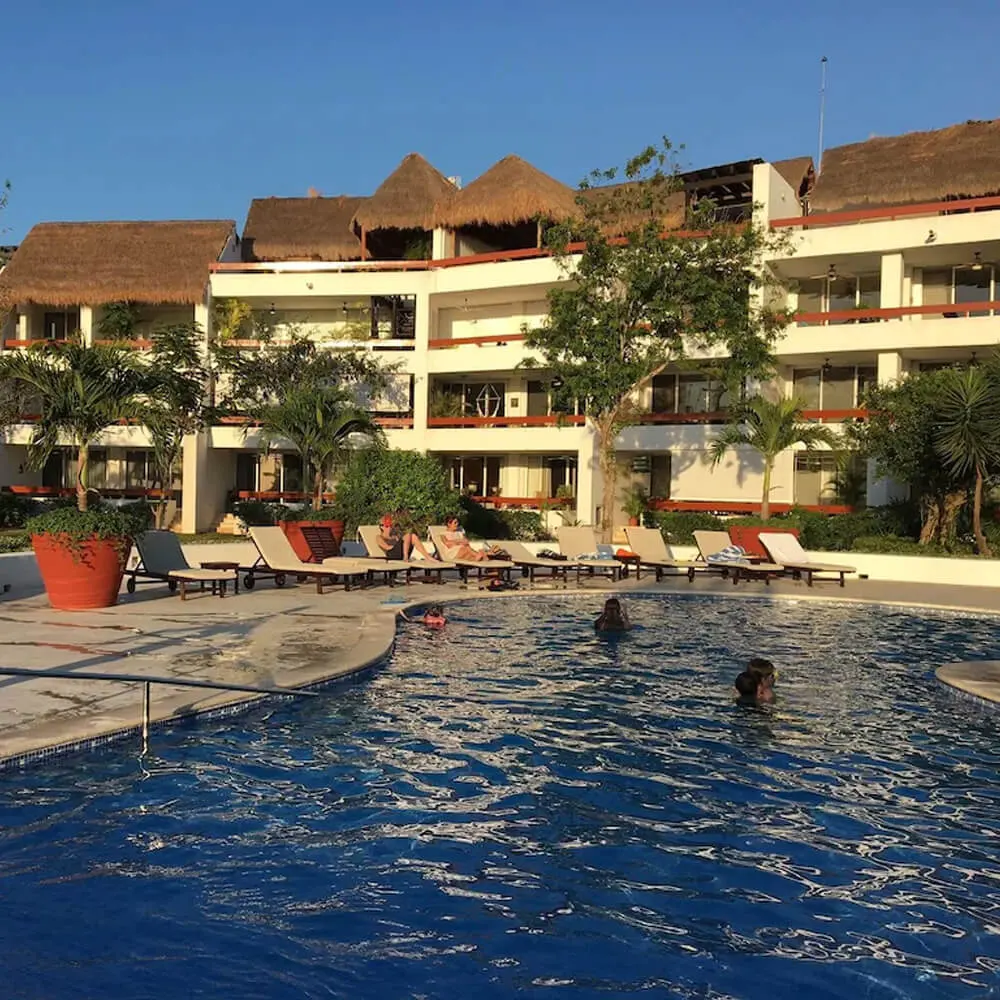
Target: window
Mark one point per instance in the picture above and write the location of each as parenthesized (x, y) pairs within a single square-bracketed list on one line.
[(538, 400), (247, 467), (958, 286), (60, 325), (841, 293), (700, 394), (659, 475), (480, 399), (97, 470), (833, 387), (814, 473), (562, 475), (291, 473), (665, 394), (54, 475), (479, 476), (140, 470)]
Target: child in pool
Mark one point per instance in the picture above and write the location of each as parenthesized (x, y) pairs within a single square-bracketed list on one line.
[(433, 617), (613, 618)]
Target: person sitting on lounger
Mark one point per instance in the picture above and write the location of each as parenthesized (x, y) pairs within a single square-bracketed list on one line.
[(399, 546), (457, 545), (613, 618)]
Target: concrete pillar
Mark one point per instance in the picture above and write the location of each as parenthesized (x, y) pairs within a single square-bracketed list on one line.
[(417, 363), (204, 497), (22, 324), (890, 367), (589, 482), (87, 324), (442, 244), (892, 281)]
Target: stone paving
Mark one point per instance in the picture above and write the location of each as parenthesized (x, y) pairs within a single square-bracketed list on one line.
[(289, 637)]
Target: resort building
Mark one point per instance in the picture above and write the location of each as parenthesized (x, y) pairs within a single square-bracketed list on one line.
[(889, 268)]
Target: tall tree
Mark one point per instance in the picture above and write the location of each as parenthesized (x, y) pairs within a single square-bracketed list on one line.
[(900, 435), (769, 428), (318, 422), (79, 391), (967, 435), (639, 298)]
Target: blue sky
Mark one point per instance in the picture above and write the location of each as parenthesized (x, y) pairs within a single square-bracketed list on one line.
[(117, 109)]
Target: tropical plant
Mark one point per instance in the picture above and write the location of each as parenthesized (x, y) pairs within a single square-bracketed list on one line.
[(118, 321), (769, 428), (638, 303), (967, 436), (849, 485), (76, 527), (80, 391), (177, 400), (319, 423), (635, 501), (445, 404)]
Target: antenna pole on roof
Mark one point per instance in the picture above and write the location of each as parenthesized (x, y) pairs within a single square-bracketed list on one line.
[(822, 111)]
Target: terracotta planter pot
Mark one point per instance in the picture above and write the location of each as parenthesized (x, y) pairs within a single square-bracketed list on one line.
[(633, 522), (293, 532), (83, 577)]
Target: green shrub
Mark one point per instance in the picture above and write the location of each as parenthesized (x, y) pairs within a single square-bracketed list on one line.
[(15, 510), (15, 541), (409, 485), (893, 545), (329, 513), (678, 527), (256, 513), (76, 527)]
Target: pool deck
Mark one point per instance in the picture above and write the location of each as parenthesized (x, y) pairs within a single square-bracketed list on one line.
[(292, 637)]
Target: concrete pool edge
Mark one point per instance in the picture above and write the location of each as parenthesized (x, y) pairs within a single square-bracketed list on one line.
[(381, 618)]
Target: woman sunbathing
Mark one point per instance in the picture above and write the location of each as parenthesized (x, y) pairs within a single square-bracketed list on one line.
[(457, 545), (399, 546)]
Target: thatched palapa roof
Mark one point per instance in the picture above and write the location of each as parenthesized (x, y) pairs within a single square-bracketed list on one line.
[(796, 172), (620, 207), (510, 192), (958, 161), (302, 229), (406, 199), (90, 263)]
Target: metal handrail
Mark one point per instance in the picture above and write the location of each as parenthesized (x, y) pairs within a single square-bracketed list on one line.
[(146, 681)]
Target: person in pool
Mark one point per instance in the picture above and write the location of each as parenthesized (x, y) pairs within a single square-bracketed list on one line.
[(754, 687), (766, 675), (613, 618), (433, 617), (396, 545)]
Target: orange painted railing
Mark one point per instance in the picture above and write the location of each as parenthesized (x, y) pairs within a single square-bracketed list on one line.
[(116, 493), (131, 345), (897, 312), (552, 421), (716, 417), (499, 340), (821, 219), (242, 421), (274, 496), (855, 413), (741, 507), (501, 502)]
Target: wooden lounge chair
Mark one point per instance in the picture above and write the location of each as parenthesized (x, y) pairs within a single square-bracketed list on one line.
[(651, 548), (786, 549), (491, 567), (368, 533), (162, 558), (526, 560), (580, 545), (320, 540), (710, 543), (277, 559)]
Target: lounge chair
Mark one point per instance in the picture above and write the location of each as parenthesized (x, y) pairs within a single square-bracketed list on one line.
[(528, 562), (713, 543), (651, 548), (369, 538), (580, 545), (786, 549), (277, 559), (161, 558), (321, 541), (490, 566)]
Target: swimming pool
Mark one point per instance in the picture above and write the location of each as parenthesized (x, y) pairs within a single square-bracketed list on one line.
[(514, 805)]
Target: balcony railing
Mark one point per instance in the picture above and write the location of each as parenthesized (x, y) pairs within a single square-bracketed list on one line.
[(948, 310), (107, 493), (555, 420), (736, 507), (522, 503), (236, 420), (497, 340), (713, 417), (279, 496), (887, 213)]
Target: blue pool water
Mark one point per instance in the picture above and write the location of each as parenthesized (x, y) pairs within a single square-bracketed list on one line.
[(517, 807)]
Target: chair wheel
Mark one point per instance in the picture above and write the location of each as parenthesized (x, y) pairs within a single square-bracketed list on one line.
[(248, 582), (130, 586), (279, 579), (172, 586)]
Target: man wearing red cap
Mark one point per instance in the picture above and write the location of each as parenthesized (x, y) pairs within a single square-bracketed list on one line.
[(399, 546)]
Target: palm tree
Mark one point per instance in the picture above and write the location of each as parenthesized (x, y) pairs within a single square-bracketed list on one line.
[(968, 433), (318, 421), (80, 391), (769, 428)]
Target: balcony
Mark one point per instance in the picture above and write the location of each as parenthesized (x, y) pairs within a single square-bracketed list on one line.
[(553, 420), (888, 213)]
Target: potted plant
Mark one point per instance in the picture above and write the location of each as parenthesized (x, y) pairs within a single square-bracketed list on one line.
[(635, 503), (79, 391)]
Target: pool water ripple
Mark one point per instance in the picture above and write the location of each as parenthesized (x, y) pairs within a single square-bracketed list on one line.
[(516, 806)]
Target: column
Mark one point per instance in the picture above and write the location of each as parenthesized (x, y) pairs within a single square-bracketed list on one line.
[(890, 367), (87, 325), (22, 323), (424, 329), (589, 483), (892, 281)]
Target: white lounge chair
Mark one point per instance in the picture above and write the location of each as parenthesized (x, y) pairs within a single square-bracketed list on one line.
[(368, 533), (785, 548), (525, 559), (162, 558), (654, 553), (712, 543), (277, 559), (490, 566), (580, 545)]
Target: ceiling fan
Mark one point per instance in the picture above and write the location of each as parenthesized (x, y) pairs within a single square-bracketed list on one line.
[(831, 274), (977, 263)]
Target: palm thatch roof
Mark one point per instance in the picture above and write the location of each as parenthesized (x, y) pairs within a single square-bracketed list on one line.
[(622, 208), (406, 199), (510, 192), (798, 172), (302, 229), (958, 161), (90, 263)]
